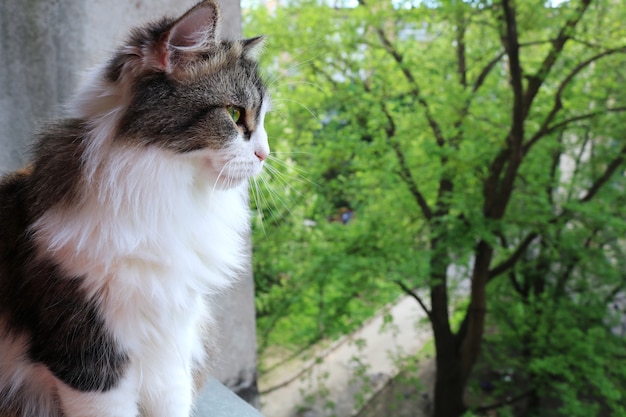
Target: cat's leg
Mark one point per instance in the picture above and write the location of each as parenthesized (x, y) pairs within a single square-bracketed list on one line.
[(168, 391), (168, 384), (119, 401)]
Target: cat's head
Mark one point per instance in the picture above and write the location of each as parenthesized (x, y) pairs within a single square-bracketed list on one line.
[(189, 92)]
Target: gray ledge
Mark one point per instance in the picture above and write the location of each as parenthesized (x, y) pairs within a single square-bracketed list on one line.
[(216, 400)]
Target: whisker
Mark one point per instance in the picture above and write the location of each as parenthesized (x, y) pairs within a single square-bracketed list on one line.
[(288, 153), (262, 204), (286, 71), (277, 200), (317, 86), (311, 112), (281, 114), (256, 194), (219, 175), (280, 176), (273, 201), (298, 172), (271, 194)]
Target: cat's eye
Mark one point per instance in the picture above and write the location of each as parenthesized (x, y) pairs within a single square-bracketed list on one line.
[(235, 113)]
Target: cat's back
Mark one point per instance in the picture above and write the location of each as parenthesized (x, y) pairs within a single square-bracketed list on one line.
[(13, 225), (13, 213)]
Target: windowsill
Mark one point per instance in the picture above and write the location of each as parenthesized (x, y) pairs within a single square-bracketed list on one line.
[(215, 400)]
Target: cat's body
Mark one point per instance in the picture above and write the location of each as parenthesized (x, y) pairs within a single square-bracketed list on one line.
[(132, 213)]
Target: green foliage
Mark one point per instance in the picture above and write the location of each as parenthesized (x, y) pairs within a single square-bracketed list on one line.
[(406, 115), (324, 280), (562, 351)]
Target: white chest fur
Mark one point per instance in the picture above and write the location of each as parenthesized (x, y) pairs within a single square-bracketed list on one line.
[(150, 238)]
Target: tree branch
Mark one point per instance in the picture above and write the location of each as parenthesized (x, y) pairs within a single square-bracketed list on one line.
[(578, 118), (416, 297), (470, 347), (593, 190), (486, 70), (405, 171), (454, 141), (510, 41), (608, 173), (416, 92), (558, 105), (554, 166), (460, 49), (490, 186), (536, 81), (510, 262), (561, 281), (516, 285), (615, 291), (586, 43), (498, 190)]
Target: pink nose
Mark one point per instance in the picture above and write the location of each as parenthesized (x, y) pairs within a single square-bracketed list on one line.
[(262, 155)]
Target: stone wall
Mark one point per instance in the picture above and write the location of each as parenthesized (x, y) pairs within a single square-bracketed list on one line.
[(44, 46)]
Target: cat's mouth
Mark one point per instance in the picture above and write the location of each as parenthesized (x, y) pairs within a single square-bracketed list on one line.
[(231, 173), (244, 173)]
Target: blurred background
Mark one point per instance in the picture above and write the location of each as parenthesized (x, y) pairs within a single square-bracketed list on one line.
[(449, 174)]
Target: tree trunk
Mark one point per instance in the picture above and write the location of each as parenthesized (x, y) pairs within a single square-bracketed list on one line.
[(456, 353), (477, 310), (449, 383)]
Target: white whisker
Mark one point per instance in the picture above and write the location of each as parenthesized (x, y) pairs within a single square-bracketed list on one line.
[(308, 109), (217, 180), (316, 86), (298, 172), (283, 73), (276, 199), (256, 195)]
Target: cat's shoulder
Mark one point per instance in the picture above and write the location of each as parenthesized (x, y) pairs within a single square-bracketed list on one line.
[(12, 187), (13, 207)]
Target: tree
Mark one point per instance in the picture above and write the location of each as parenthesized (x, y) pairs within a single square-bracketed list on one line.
[(474, 136)]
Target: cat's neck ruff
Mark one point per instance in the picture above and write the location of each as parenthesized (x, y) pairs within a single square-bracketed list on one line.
[(143, 205)]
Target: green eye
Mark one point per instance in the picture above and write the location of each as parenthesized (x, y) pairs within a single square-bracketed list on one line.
[(235, 113)]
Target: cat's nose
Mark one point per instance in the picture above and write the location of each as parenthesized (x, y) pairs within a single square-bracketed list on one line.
[(261, 154), (261, 147)]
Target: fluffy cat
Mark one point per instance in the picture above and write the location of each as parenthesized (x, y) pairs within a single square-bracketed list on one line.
[(132, 212)]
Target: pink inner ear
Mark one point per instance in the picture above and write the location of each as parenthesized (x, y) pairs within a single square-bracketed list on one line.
[(194, 29)]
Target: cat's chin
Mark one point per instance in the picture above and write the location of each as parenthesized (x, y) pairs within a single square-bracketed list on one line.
[(228, 183), (224, 176)]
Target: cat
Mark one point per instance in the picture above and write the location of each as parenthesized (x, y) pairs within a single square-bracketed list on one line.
[(131, 215)]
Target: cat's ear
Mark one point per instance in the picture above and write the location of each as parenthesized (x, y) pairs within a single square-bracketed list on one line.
[(196, 29), (253, 47)]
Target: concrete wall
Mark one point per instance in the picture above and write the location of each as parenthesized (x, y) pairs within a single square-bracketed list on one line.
[(36, 71), (44, 45)]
